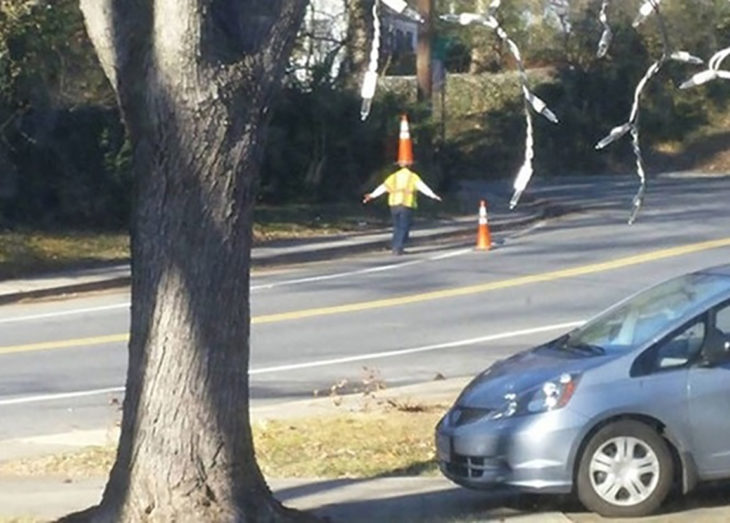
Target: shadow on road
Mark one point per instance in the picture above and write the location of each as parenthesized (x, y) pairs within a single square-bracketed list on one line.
[(434, 500), (705, 496), (409, 500)]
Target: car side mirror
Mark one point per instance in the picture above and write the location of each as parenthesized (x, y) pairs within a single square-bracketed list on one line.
[(716, 350)]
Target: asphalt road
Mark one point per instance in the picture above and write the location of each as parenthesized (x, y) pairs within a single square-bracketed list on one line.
[(442, 310), (445, 309)]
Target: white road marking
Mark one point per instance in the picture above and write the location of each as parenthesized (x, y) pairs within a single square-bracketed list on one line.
[(65, 313), (326, 277), (318, 363), (59, 396), (382, 268), (414, 350), (358, 272), (451, 254)]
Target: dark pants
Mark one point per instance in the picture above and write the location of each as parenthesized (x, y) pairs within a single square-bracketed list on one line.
[(402, 217)]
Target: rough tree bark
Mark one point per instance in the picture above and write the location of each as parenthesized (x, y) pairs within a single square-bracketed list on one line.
[(194, 80), (423, 54), (357, 44)]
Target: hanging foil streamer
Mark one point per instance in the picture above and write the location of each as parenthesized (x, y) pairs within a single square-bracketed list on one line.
[(713, 71), (632, 125), (494, 6), (531, 100), (525, 172), (646, 9), (561, 8), (607, 35), (370, 80)]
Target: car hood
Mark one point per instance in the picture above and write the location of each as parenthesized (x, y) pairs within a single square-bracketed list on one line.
[(522, 372)]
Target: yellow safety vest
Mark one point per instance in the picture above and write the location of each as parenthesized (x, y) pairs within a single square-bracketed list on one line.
[(401, 186)]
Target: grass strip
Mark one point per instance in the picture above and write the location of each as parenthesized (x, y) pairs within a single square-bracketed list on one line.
[(27, 252), (393, 439), (24, 253)]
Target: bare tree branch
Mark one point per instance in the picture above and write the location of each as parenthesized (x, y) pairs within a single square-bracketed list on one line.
[(99, 20)]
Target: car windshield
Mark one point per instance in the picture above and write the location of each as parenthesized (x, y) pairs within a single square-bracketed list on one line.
[(647, 314)]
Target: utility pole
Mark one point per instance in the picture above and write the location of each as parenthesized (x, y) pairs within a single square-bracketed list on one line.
[(423, 52), (424, 76)]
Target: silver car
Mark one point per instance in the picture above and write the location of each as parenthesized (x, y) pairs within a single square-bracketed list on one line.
[(619, 410)]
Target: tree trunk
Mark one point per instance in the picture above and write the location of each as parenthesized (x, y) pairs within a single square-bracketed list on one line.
[(357, 44), (194, 80), (423, 54)]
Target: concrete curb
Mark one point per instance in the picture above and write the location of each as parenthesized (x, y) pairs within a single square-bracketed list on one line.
[(101, 285), (442, 391), (315, 252), (419, 238), (407, 499)]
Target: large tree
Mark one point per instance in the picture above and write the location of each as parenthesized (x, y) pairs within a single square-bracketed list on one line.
[(194, 80)]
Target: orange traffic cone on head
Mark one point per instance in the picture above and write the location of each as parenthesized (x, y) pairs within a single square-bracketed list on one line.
[(484, 238), (405, 145)]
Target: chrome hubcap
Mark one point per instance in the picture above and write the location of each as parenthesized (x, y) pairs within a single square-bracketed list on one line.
[(624, 471)]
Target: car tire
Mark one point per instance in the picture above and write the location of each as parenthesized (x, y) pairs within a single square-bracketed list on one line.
[(625, 470)]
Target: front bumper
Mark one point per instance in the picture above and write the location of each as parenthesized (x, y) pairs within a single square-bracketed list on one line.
[(532, 453)]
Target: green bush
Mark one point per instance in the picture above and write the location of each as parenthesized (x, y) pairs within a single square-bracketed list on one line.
[(73, 172), (318, 149)]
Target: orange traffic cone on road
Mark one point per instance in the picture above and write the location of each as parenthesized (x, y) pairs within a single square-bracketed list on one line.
[(484, 238), (405, 145)]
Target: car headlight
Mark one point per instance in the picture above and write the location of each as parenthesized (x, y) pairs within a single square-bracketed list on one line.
[(551, 395)]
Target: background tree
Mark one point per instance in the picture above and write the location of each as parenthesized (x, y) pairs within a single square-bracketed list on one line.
[(194, 81), (61, 158), (357, 44)]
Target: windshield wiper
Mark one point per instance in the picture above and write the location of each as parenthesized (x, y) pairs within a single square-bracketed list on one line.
[(583, 347), (566, 343)]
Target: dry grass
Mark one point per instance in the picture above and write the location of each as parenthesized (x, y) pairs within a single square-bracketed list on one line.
[(89, 462), (355, 445), (389, 439), (23, 253), (27, 253)]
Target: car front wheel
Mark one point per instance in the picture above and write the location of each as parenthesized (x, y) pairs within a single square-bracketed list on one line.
[(626, 470)]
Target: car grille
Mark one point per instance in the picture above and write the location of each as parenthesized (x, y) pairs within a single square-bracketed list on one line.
[(472, 467)]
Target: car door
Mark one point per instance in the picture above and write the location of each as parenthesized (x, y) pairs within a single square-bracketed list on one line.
[(662, 372), (709, 407)]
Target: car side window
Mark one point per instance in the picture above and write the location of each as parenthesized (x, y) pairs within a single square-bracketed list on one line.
[(681, 348), (722, 319)]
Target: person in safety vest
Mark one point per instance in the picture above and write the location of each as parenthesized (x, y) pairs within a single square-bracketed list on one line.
[(402, 187)]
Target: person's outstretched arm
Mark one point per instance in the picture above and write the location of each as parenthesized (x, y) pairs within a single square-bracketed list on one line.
[(380, 189), (425, 189)]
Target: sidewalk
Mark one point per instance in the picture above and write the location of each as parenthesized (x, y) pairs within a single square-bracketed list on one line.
[(396, 499), (428, 499), (303, 250)]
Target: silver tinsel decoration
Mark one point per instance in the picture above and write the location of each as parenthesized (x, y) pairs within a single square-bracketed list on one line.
[(561, 8), (531, 100), (370, 80), (632, 125), (713, 71), (607, 35)]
